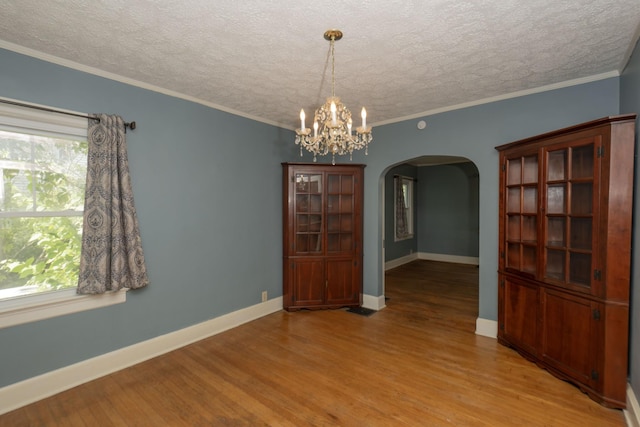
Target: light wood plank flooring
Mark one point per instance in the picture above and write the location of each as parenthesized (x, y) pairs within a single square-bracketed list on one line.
[(415, 363)]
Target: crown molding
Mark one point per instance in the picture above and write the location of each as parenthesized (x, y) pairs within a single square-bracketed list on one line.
[(126, 80), (116, 77), (517, 94)]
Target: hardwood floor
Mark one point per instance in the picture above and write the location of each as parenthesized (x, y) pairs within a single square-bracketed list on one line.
[(415, 363)]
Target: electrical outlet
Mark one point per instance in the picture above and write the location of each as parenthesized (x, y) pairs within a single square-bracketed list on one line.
[(264, 296)]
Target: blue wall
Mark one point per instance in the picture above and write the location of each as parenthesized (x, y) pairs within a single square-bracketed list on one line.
[(207, 187), (448, 209), (630, 103)]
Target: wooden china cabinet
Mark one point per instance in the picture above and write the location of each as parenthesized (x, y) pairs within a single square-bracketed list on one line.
[(565, 252), (322, 235)]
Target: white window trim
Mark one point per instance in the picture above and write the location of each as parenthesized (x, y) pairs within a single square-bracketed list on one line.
[(18, 119), (40, 306), (410, 212), (31, 308)]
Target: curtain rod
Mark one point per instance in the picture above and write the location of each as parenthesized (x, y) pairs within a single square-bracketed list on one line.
[(130, 125)]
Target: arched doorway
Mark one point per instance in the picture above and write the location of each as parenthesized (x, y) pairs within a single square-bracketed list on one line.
[(443, 211)]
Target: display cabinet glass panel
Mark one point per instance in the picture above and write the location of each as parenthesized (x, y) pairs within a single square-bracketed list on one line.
[(581, 236), (530, 170), (513, 255), (513, 200), (530, 200), (582, 198), (555, 267), (513, 227), (556, 198), (308, 207), (582, 162), (580, 268), (556, 229), (556, 165), (529, 230), (514, 167)]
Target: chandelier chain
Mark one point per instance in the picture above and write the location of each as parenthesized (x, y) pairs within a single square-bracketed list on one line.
[(333, 67)]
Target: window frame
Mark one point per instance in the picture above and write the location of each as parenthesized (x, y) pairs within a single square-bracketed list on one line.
[(409, 202), (44, 305)]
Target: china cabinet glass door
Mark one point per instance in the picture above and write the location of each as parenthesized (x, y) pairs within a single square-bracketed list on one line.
[(522, 213), (340, 212), (308, 213), (570, 185)]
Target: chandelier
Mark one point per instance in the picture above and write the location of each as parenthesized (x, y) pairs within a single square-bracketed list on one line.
[(332, 124)]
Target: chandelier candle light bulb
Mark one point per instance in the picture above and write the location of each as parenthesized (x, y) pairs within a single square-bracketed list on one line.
[(332, 124)]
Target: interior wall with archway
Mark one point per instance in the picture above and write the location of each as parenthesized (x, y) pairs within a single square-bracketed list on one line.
[(471, 132), (448, 200), (445, 210)]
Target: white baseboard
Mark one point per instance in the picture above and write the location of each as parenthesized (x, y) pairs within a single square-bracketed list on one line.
[(432, 257), (33, 389), (486, 328), (632, 413), (400, 261), (373, 302), (449, 258)]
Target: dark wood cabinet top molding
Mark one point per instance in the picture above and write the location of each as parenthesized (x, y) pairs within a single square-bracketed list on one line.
[(565, 132)]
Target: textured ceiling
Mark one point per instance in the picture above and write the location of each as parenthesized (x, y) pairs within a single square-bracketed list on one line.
[(265, 59)]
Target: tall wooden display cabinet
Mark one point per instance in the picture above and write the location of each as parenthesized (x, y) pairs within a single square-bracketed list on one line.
[(322, 235), (564, 253), (322, 229)]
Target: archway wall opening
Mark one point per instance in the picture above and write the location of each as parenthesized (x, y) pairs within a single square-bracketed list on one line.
[(471, 133), (439, 214)]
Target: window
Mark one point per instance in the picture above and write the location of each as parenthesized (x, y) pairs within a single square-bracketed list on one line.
[(403, 204), (43, 163), (41, 203)]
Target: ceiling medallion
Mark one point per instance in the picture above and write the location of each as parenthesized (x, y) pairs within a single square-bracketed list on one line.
[(332, 124)]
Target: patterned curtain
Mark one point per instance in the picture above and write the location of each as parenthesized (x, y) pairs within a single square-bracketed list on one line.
[(111, 256), (401, 210)]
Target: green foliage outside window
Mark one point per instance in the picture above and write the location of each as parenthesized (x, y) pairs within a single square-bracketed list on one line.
[(41, 201)]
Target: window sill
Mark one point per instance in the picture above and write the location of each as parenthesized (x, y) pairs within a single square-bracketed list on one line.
[(16, 311)]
